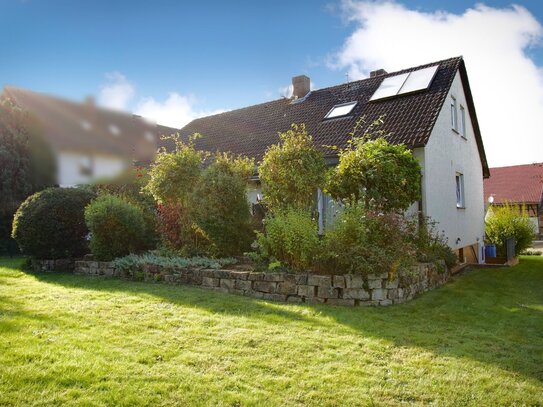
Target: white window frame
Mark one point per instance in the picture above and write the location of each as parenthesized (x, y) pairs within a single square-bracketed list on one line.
[(454, 114), (331, 115), (460, 194), (463, 121)]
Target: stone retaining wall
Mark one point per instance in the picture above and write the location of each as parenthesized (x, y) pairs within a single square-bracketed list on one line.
[(49, 266), (351, 290)]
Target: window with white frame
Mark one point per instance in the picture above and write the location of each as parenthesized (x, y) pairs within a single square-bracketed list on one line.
[(460, 199), (454, 114), (462, 121)]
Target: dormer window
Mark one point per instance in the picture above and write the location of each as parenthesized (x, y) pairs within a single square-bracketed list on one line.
[(340, 110)]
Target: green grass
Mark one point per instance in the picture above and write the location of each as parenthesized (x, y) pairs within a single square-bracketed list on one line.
[(72, 340)]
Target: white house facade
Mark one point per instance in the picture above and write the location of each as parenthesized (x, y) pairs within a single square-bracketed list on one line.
[(428, 108)]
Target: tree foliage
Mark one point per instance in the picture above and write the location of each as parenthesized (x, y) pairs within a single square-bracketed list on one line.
[(174, 175), (375, 173), (220, 207), (507, 221), (292, 170), (27, 164)]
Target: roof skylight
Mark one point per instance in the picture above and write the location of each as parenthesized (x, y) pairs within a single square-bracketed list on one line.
[(114, 130), (342, 109), (405, 83)]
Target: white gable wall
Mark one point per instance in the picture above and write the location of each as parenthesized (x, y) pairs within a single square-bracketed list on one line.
[(71, 165), (446, 154)]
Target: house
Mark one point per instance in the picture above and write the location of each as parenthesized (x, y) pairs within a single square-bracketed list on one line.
[(520, 185), (429, 108), (89, 142)]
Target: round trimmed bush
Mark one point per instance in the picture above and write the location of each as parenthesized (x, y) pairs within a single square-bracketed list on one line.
[(51, 225), (117, 227)]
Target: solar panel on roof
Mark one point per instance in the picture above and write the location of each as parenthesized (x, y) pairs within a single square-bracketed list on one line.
[(390, 86), (419, 80), (405, 83)]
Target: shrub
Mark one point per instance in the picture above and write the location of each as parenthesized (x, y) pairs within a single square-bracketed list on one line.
[(291, 238), (129, 187), (220, 208), (507, 221), (292, 171), (133, 262), (51, 225), (432, 245), (173, 175), (117, 228), (364, 241), (374, 173)]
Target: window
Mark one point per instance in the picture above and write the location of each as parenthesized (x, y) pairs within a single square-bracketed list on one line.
[(460, 201), (454, 114), (462, 121), (114, 130), (340, 110)]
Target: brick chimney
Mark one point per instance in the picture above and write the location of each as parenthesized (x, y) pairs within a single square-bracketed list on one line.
[(378, 72), (300, 86)]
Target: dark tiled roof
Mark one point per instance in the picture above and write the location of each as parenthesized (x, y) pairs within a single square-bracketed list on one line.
[(410, 118), (516, 184), (84, 127)]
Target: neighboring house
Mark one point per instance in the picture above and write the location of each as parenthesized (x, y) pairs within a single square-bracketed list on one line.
[(89, 142), (429, 108), (520, 185)]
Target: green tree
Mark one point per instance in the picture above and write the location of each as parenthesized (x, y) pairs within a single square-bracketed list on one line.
[(507, 221), (219, 205), (27, 164), (374, 173), (174, 175), (292, 170)]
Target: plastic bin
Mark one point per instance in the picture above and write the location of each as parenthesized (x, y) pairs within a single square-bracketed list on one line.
[(490, 250)]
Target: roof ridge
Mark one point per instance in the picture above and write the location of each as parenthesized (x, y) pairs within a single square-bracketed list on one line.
[(458, 58), (71, 102), (519, 165), (389, 74)]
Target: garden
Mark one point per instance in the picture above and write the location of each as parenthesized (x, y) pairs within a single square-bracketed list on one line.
[(189, 209), (72, 340)]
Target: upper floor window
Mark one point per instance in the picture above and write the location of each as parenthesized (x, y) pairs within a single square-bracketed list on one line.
[(462, 121), (454, 114), (460, 199)]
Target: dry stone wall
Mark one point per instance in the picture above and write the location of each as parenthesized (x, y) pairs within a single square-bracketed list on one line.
[(351, 290)]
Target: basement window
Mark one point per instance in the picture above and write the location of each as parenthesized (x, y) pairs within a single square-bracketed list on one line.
[(340, 110)]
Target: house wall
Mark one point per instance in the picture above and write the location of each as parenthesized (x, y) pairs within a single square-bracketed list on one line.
[(447, 153), (79, 168)]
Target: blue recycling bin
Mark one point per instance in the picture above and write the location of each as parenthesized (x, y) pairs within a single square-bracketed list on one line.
[(490, 250)]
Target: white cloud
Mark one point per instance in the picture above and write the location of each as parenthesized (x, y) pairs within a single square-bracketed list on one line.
[(506, 83), (117, 92), (176, 111)]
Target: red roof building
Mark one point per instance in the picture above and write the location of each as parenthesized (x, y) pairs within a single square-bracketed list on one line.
[(518, 184)]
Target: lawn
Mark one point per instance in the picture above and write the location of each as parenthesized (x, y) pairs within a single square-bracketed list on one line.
[(73, 340)]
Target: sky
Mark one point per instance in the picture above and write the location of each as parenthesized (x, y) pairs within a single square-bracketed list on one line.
[(173, 61)]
